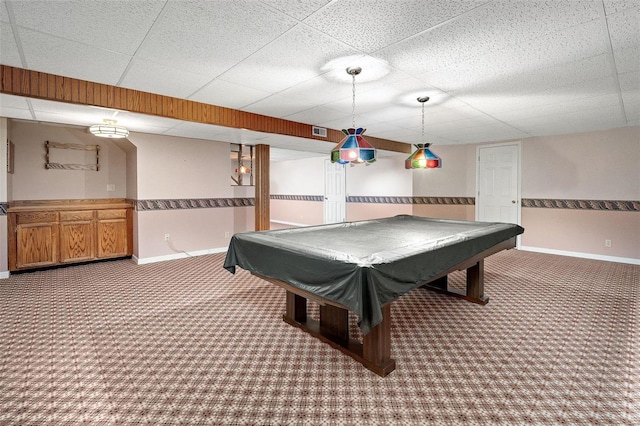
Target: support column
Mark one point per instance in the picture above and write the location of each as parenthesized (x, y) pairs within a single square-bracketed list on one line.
[(262, 190)]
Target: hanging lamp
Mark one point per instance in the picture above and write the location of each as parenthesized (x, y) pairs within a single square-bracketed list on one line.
[(354, 148), (423, 157)]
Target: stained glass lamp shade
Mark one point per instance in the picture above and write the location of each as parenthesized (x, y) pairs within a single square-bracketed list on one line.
[(423, 158), (353, 148)]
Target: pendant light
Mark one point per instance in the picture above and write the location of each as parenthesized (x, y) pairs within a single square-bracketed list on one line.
[(353, 149), (423, 157)]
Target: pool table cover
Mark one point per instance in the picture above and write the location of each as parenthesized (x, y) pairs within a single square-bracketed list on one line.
[(366, 264)]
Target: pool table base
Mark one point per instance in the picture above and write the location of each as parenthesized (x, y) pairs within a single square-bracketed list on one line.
[(374, 352)]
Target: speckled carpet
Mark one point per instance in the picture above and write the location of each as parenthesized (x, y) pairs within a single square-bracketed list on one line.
[(185, 342)]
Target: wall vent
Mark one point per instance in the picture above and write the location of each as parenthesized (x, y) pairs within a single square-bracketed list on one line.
[(319, 131)]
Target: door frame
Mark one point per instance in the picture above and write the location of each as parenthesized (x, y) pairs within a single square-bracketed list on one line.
[(517, 144)]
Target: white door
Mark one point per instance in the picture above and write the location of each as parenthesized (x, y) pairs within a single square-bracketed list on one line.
[(498, 197), (335, 202)]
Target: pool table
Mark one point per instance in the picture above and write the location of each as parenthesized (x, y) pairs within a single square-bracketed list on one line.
[(363, 267)]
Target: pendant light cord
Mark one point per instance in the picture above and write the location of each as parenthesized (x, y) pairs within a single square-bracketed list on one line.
[(423, 122), (353, 104)]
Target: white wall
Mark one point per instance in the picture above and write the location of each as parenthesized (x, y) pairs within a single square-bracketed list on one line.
[(386, 177), (298, 177)]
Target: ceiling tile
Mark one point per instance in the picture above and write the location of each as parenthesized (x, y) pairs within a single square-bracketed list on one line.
[(10, 101), (219, 34), (193, 130), (230, 95), (629, 81), (280, 106), (593, 119), (493, 132), (63, 57), (627, 60), (489, 29), (319, 114), (8, 48), (507, 102), (299, 9), (18, 113), (613, 6), (624, 28), (587, 103), (4, 14), (384, 22), (158, 78), (293, 58), (114, 26)]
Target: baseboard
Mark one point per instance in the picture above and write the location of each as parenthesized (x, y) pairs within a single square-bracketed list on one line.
[(181, 255), (629, 260), (4, 275)]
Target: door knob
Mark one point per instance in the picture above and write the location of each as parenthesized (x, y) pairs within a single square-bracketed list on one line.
[(513, 201)]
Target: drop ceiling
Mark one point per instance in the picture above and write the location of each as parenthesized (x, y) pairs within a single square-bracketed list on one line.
[(494, 70)]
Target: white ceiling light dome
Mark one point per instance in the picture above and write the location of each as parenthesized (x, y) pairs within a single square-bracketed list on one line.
[(109, 130)]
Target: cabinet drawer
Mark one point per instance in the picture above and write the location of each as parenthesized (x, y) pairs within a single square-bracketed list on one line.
[(112, 214), (36, 217), (71, 216)]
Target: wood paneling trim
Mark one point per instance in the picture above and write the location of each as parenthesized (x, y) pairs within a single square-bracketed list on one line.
[(34, 84)]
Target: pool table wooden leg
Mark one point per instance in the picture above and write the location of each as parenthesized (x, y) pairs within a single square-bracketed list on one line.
[(333, 328), (376, 345), (475, 282), (296, 308)]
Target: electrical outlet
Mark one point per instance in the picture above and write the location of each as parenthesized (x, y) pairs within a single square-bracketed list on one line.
[(607, 243), (167, 237), (226, 234)]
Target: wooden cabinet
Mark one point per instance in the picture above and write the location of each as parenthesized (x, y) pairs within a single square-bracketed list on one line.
[(112, 233), (49, 233), (36, 239), (77, 236)]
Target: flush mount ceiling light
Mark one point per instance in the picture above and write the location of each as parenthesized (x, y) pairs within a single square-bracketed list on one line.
[(109, 130), (354, 148), (423, 158)]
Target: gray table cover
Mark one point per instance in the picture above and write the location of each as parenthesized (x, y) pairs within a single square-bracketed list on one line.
[(366, 264)]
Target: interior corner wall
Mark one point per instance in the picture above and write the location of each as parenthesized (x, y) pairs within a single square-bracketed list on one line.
[(180, 182)]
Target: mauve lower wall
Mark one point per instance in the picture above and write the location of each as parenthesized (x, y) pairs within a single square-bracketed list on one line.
[(185, 190), (601, 166)]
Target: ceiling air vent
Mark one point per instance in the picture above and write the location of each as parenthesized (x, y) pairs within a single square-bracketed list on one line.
[(319, 131)]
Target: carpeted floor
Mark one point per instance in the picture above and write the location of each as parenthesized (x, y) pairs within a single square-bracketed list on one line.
[(185, 342)]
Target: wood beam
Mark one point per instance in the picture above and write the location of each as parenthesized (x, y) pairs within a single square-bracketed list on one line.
[(39, 85)]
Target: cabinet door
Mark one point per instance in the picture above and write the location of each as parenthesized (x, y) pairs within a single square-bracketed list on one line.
[(112, 233), (76, 236), (37, 245)]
